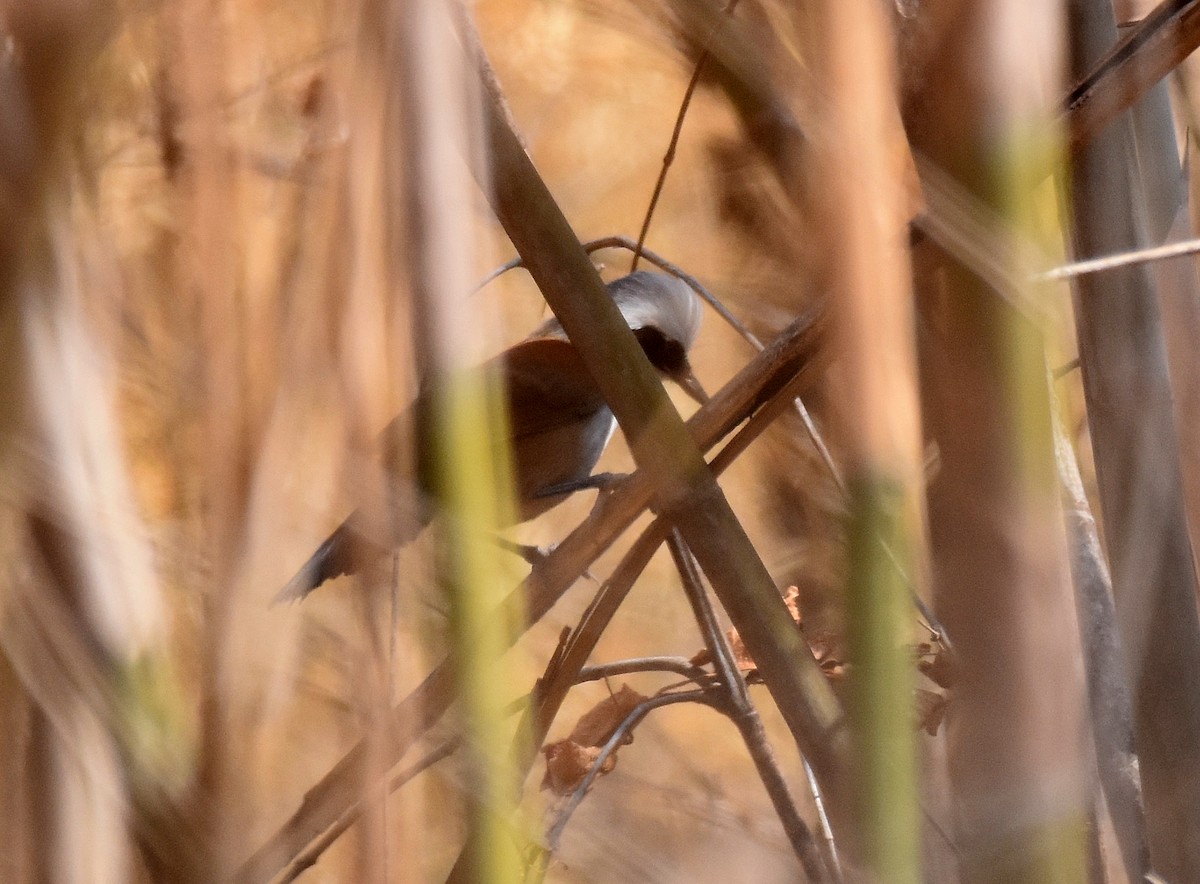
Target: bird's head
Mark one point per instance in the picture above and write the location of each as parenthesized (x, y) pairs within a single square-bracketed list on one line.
[(664, 315)]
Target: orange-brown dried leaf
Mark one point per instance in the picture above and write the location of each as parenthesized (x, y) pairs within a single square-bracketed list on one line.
[(568, 763), (598, 724), (791, 598), (827, 647), (741, 656), (936, 664), (931, 710)]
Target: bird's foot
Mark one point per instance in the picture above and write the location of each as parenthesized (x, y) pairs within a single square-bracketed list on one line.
[(534, 555), (601, 481)]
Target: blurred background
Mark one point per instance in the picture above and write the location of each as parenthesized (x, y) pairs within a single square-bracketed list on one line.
[(206, 252)]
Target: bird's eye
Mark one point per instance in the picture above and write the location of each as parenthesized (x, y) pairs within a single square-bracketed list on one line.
[(665, 354)]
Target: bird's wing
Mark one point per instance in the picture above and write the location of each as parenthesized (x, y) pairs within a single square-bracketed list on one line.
[(560, 422), (548, 387), (548, 393)]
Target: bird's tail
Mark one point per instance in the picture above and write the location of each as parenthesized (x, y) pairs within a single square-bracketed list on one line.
[(342, 553)]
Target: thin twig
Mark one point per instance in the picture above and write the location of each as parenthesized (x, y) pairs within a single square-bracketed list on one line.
[(1124, 259), (677, 665), (669, 156), (668, 159), (615, 742), (743, 714), (832, 860), (308, 857)]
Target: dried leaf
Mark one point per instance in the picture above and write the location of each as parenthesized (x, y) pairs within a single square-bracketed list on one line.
[(936, 664), (741, 656), (931, 710), (827, 648), (568, 761), (600, 722), (791, 598)]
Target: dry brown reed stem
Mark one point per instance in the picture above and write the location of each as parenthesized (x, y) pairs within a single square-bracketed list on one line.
[(996, 528), (684, 487), (766, 385), (207, 279), (1130, 414), (1116, 80), (951, 217), (865, 207), (82, 618)]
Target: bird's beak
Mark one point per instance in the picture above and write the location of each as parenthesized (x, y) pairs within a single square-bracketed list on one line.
[(687, 382)]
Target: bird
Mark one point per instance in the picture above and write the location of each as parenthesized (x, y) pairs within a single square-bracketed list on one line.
[(559, 426)]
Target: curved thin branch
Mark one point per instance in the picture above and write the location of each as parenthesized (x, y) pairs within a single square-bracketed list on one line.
[(677, 665), (630, 721)]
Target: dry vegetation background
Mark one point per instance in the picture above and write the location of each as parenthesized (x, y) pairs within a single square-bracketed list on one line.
[(218, 226)]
